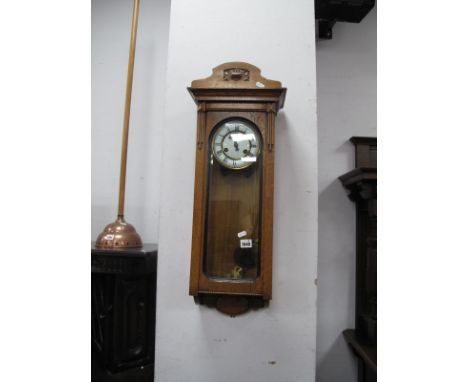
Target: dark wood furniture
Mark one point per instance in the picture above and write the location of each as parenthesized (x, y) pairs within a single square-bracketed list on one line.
[(234, 204), (328, 12), (361, 184), (123, 313)]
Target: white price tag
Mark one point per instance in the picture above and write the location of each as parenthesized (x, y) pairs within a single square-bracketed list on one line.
[(241, 234), (246, 243)]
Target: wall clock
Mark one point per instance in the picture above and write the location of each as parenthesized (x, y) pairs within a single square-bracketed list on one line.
[(231, 264)]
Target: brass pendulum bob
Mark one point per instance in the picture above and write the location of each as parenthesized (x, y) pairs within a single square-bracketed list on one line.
[(121, 234)]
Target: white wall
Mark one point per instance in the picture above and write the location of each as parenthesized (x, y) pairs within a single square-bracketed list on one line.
[(195, 343), (347, 97), (111, 23)]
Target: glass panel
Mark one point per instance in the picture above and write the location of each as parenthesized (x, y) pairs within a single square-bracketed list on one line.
[(233, 202)]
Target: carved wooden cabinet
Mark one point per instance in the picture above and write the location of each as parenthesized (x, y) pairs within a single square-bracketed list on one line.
[(361, 184), (123, 297)]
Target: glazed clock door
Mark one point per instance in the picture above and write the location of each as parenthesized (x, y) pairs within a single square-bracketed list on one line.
[(233, 218)]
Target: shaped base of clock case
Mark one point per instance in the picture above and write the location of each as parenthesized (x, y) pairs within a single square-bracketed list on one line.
[(232, 305)]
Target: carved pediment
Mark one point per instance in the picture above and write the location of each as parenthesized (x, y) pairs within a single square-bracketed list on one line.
[(236, 75)]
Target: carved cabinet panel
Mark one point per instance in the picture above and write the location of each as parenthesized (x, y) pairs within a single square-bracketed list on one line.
[(123, 297)]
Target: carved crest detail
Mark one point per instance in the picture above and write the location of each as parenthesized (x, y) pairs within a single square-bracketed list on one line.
[(236, 74)]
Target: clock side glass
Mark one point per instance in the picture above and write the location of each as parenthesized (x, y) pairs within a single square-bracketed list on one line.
[(232, 232)]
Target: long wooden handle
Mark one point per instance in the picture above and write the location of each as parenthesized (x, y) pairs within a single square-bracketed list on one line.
[(128, 100)]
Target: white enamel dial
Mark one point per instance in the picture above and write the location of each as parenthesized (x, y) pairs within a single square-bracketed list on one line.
[(236, 144)]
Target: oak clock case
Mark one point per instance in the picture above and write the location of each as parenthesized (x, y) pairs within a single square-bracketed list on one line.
[(231, 264)]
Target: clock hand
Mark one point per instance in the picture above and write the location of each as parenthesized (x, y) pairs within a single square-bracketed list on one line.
[(236, 145)]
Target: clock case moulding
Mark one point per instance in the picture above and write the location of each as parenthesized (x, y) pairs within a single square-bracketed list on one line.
[(235, 90)]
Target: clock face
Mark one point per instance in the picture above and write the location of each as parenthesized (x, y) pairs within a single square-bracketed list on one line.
[(236, 144)]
